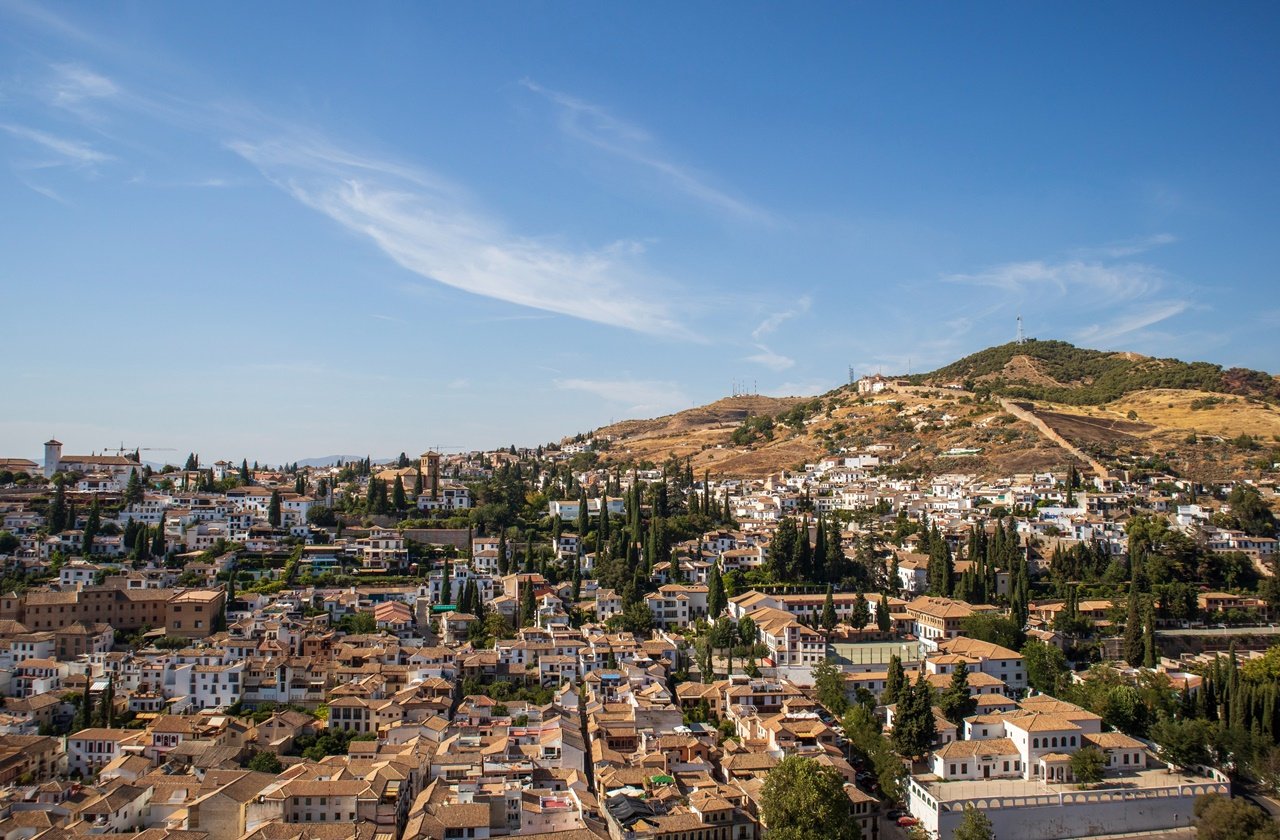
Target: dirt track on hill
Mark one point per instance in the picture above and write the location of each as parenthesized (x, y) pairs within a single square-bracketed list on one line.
[(1028, 416)]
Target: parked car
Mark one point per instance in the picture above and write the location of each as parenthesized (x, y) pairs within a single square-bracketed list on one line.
[(907, 822)]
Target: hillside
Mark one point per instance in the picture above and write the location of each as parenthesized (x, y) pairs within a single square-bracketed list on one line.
[(1055, 371), (1034, 406)]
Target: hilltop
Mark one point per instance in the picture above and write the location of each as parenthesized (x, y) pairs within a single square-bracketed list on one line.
[(1007, 409), (1055, 371)]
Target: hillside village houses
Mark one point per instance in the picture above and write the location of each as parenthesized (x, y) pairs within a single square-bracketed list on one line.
[(393, 716)]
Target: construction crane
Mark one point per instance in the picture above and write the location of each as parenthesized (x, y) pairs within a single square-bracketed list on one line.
[(121, 449)]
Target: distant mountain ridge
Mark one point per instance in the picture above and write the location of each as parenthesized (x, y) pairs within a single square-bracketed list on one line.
[(330, 460), (1056, 371)]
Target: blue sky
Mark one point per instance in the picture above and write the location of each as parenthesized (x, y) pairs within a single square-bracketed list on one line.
[(285, 230)]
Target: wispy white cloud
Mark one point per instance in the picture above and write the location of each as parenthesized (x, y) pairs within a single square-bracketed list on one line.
[(1115, 282), (426, 226), (766, 355), (72, 152), (1127, 247), (770, 359), (777, 319), (73, 86), (595, 126), (1133, 321), (47, 192), (638, 395)]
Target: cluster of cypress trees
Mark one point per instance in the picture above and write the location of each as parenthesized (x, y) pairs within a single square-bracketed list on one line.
[(793, 559)]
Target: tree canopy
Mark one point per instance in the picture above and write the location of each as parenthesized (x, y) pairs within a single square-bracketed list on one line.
[(803, 800)]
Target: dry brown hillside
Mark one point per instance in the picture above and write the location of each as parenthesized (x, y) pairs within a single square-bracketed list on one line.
[(1031, 406), (942, 430)]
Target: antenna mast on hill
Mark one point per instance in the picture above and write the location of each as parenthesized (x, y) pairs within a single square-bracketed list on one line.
[(852, 378), (1022, 338)]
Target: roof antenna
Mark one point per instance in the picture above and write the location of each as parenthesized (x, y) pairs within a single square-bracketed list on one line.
[(1022, 338)]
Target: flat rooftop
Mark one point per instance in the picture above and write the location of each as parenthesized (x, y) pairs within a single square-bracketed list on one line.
[(1151, 778), (873, 653)]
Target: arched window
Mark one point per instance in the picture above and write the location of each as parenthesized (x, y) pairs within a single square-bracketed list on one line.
[(1035, 743), (1055, 741)]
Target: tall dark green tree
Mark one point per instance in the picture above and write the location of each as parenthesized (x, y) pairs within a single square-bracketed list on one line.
[(784, 550), (273, 509), (584, 522), (884, 620), (133, 489), (860, 615), (92, 526), (834, 565), (956, 702), (157, 539), (446, 586), (86, 704), (1149, 652), (577, 576), (504, 566), (245, 480), (398, 499), (528, 606), (913, 725), (828, 619), (716, 600), (1133, 648), (57, 516), (894, 683)]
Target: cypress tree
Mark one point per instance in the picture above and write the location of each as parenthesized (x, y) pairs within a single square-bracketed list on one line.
[(446, 586), (86, 703), (91, 528), (604, 516), (716, 601), (894, 682), (861, 614), (417, 483), (108, 704), (528, 553), (913, 725), (244, 472), (133, 489), (273, 509), (819, 563), (58, 507), (503, 566), (883, 619), (1133, 647), (804, 553), (577, 576), (828, 608), (834, 563), (398, 500), (1148, 639), (583, 521), (528, 607)]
